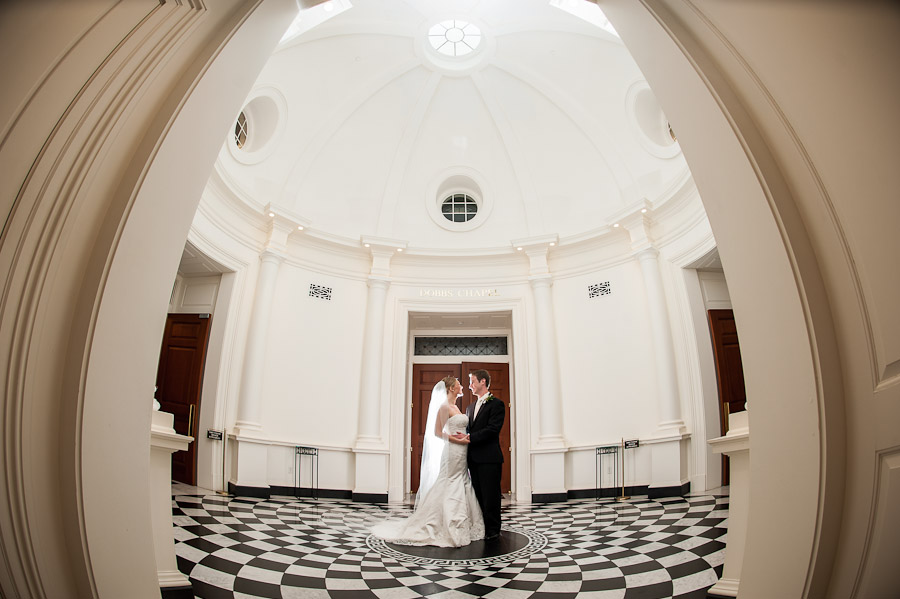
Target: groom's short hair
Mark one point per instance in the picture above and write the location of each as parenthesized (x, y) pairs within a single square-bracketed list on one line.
[(482, 375)]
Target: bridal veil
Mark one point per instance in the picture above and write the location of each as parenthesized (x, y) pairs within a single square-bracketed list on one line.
[(432, 445)]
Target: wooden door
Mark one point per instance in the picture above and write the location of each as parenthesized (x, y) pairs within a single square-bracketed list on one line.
[(729, 371), (179, 379), (499, 388), (425, 377)]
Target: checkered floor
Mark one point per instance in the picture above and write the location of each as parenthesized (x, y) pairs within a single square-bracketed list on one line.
[(287, 548)]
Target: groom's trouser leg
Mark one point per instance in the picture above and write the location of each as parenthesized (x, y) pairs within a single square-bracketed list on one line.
[(475, 473), (489, 476)]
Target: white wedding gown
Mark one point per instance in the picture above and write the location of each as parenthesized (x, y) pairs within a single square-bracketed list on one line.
[(449, 515)]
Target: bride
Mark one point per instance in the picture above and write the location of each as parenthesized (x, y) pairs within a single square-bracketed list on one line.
[(446, 512)]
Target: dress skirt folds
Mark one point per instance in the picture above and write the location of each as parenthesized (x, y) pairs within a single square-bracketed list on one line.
[(449, 515)]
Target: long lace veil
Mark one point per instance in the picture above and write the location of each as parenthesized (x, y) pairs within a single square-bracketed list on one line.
[(432, 446)]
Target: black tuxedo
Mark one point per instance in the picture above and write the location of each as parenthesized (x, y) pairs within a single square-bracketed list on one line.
[(486, 459)]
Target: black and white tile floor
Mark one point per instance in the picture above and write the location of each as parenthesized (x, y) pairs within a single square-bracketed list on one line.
[(287, 548)]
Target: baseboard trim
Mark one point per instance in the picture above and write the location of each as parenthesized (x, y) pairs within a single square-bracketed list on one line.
[(370, 497), (549, 497), (179, 592), (246, 491), (679, 491), (309, 492), (606, 493)]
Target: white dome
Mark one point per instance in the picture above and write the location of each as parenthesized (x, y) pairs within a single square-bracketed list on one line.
[(362, 128)]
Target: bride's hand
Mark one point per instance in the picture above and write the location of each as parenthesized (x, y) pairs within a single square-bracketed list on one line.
[(461, 438)]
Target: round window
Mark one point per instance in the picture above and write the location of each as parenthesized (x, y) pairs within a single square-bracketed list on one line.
[(241, 130), (459, 208)]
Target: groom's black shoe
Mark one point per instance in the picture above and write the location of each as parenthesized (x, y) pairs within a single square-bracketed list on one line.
[(492, 537)]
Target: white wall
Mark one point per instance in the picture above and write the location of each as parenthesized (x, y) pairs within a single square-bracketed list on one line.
[(607, 367), (313, 360)]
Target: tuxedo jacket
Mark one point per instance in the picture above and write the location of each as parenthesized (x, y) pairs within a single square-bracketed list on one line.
[(484, 431)]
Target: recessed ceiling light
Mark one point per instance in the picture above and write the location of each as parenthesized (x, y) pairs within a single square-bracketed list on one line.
[(552, 243), (520, 249), (299, 227), (367, 245), (399, 249), (616, 226), (272, 214), (643, 210)]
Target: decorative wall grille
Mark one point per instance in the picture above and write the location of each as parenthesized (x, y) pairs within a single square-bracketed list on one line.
[(460, 346), (319, 292), (598, 289)]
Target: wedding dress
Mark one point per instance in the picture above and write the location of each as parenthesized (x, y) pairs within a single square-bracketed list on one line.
[(449, 515)]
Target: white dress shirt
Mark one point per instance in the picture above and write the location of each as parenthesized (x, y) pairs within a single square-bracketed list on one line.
[(479, 404)]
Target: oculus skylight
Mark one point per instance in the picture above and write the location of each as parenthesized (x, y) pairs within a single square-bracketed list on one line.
[(454, 38)]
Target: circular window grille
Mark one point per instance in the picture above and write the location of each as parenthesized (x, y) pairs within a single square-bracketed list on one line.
[(241, 130), (459, 208), (454, 38)]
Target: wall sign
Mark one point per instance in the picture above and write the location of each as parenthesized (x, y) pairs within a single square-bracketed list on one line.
[(215, 435), (479, 292), (632, 444)]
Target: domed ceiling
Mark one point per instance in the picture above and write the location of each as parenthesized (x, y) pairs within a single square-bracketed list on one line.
[(452, 124)]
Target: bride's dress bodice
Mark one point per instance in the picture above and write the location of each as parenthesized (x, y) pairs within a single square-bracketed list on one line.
[(449, 515), (457, 424)]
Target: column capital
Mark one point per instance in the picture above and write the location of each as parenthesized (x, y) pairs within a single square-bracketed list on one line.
[(647, 253), (272, 255), (540, 281), (378, 281)]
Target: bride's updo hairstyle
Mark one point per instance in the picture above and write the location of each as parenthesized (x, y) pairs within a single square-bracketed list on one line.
[(449, 381)]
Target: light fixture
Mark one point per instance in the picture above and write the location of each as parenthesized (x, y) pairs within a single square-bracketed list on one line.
[(399, 249), (616, 226), (272, 214), (643, 211), (299, 227), (367, 245), (552, 243), (520, 249)]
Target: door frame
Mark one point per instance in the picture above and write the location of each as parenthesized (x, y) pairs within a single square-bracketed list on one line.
[(400, 382)]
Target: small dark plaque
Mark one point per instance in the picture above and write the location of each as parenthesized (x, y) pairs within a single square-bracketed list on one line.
[(632, 444), (216, 435)]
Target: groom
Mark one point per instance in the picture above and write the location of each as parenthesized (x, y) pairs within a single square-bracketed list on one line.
[(486, 418)]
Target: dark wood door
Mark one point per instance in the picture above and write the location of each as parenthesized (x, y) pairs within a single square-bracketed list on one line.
[(729, 371), (499, 388), (425, 377), (179, 379)]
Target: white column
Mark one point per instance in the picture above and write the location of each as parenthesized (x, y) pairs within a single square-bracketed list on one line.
[(369, 435), (257, 336), (164, 441), (551, 429), (736, 445), (663, 348)]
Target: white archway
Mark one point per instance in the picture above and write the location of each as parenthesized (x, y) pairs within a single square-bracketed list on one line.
[(80, 331)]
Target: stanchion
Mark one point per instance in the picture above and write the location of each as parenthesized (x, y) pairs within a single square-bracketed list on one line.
[(623, 497), (599, 452), (313, 453)]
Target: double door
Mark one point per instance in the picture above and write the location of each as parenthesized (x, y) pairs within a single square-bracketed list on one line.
[(425, 377)]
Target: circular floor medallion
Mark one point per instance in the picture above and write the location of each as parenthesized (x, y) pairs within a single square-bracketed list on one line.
[(513, 544)]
